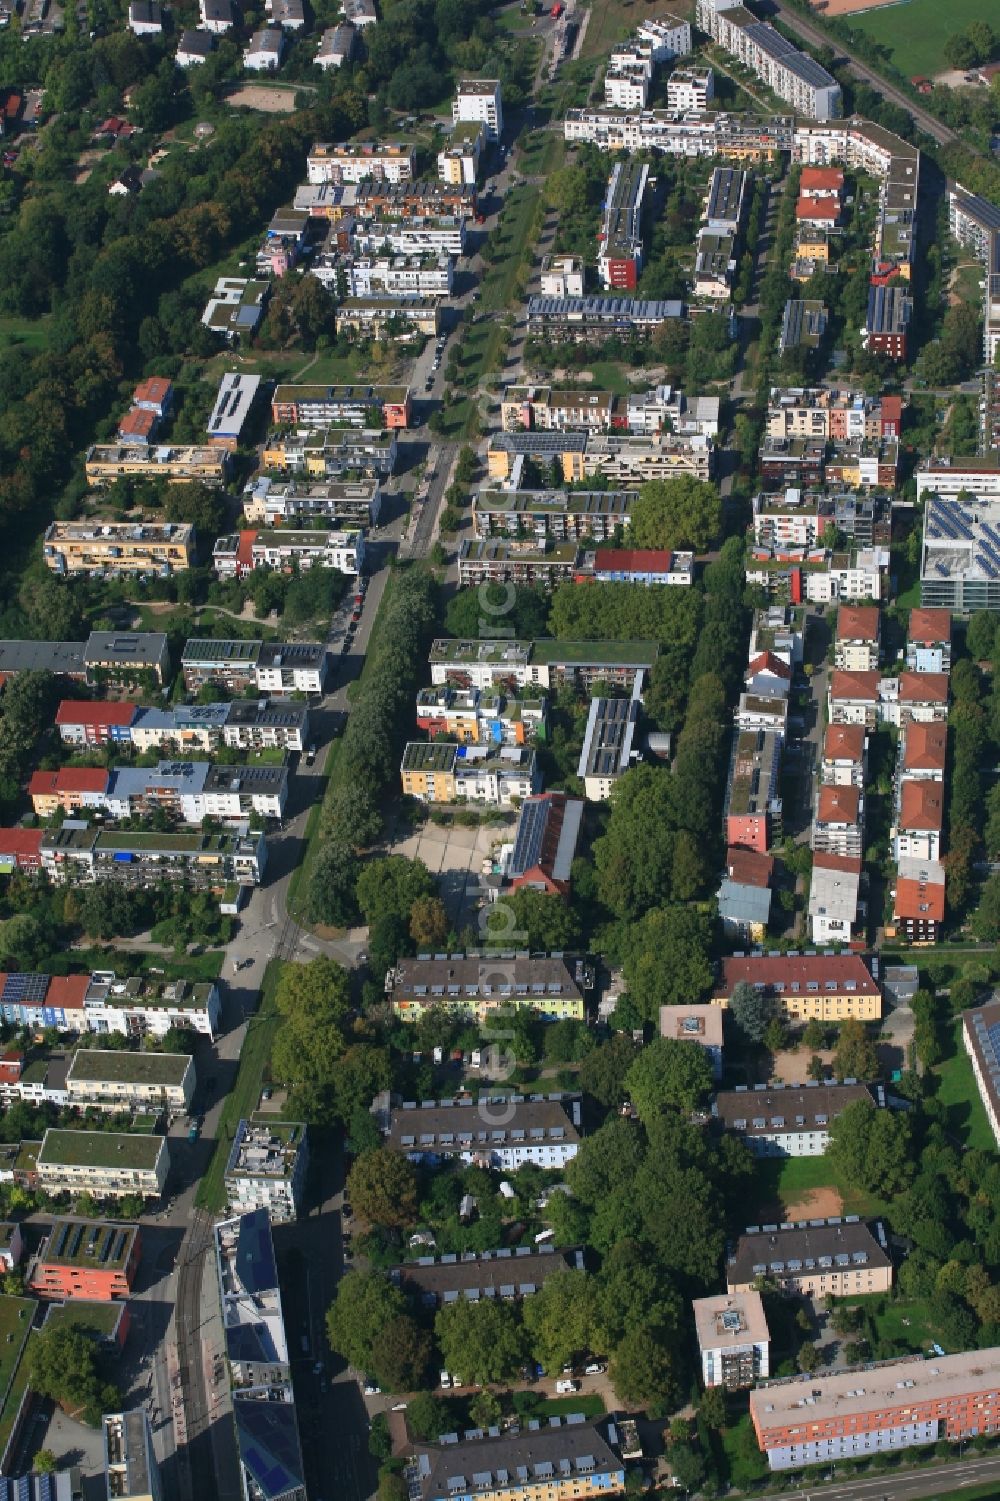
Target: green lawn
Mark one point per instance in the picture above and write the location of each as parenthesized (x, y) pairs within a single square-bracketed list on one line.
[(915, 31), (243, 1098), (958, 1093), (905, 1322), (779, 1183), (513, 237), (26, 333), (194, 967)]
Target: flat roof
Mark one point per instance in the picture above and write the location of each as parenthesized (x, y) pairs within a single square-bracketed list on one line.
[(120, 1066), (730, 1320), (100, 1149), (694, 1023), (98, 1244), (65, 657)]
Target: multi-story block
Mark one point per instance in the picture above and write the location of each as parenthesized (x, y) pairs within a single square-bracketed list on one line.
[(793, 75), (887, 322), (212, 861), (393, 276), (140, 1008), (104, 1163), (475, 717), (825, 987), (506, 663), (92, 1259), (843, 1257), (745, 895), (131, 1470), (928, 641), (289, 550), (331, 453), (839, 821), (562, 515), (546, 409), (563, 1460), (233, 408), (458, 161), (117, 1079), (753, 805), (105, 463), (291, 667), (853, 698), (266, 724), (479, 99), (919, 821), (505, 1275), (845, 751), (475, 987), (776, 1121), (887, 1406), (493, 560), (71, 547), (494, 1133), (356, 161), (562, 276), (437, 772), (271, 502), (609, 742), (981, 1034), (267, 1168), (733, 1338), (857, 638), (620, 259), (71, 789), (360, 406), (690, 90), (126, 657), (922, 751), (643, 565), (397, 316), (916, 696), (834, 902), (578, 320), (918, 900)]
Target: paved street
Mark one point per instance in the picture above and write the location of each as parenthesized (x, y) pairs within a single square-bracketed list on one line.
[(933, 1481)]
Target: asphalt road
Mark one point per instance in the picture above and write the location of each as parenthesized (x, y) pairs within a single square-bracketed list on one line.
[(796, 22), (935, 1480)]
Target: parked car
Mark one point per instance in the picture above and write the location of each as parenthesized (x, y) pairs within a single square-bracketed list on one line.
[(371, 1388), (445, 1380), (563, 1388)]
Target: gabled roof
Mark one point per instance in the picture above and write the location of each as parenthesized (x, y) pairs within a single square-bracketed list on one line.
[(844, 742), (925, 746), (798, 974), (84, 711), (921, 806), (748, 868), (858, 623), (69, 779), (927, 627), (923, 687), (138, 422), (766, 661), (856, 687), (838, 805), (23, 843), (848, 865)]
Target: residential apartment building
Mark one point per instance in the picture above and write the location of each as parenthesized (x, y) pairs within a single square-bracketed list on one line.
[(919, 825), (105, 463), (357, 161), (398, 316), (271, 667), (458, 161), (793, 75), (562, 515), (116, 1079), (845, 754), (779, 1121), (853, 698), (267, 724), (504, 1275), (233, 408), (918, 900), (270, 502), (928, 641), (562, 276), (702, 1026), (981, 1035), (745, 895), (839, 821), (735, 137), (857, 638), (103, 1163), (834, 897), (920, 697), (125, 657), (475, 987), (475, 717), (609, 748), (436, 772), (500, 560), (564, 1460), (752, 801), (479, 99), (507, 663), (267, 1168), (548, 409), (331, 453), (648, 566), (393, 275), (825, 987), (140, 1008), (887, 322), (579, 320), (288, 550), (359, 406), (91, 1259), (880, 1409), (188, 791), (545, 840), (960, 562), (733, 1340), (212, 861), (842, 1257), (500, 1132), (690, 90), (620, 257)]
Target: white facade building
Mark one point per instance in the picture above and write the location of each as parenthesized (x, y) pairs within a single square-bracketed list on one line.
[(480, 99), (267, 1168)]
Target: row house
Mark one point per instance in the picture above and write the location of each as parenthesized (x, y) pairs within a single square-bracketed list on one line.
[(826, 987), (845, 756), (675, 132), (438, 772), (242, 724), (206, 861), (271, 667), (357, 161), (842, 1257), (475, 987), (289, 550), (928, 641)]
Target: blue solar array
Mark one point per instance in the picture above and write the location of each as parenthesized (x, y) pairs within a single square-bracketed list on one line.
[(20, 988)]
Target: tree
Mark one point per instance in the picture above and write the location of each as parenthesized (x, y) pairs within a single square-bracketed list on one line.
[(855, 1057), (676, 513), (669, 1073), (429, 924), (401, 1355), (45, 1463), (644, 1371), (559, 1318), (535, 920), (390, 885), (65, 1365), (986, 918), (750, 1010), (426, 1417), (366, 1303), (358, 1076), (331, 887), (391, 1487), (473, 613), (816, 1068), (814, 1034), (481, 1342), (382, 1186), (667, 959), (872, 1148), (603, 1072)]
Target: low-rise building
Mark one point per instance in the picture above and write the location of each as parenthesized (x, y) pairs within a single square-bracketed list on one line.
[(337, 46), (267, 1168), (397, 316), (266, 724), (265, 50), (825, 987), (233, 408), (839, 821), (208, 861), (701, 1025), (582, 319), (237, 304), (779, 1121), (476, 986), (72, 788), (745, 895), (609, 748), (188, 464), (92, 1259), (103, 1163), (496, 560), (562, 276), (690, 90), (502, 1132), (566, 1458), (857, 638), (116, 1079), (643, 565), (506, 1275), (545, 842), (753, 810), (440, 773), (928, 641), (139, 1007), (733, 1338), (842, 1257), (890, 1405), (919, 825), (131, 1470), (359, 405), (194, 47), (981, 1035)]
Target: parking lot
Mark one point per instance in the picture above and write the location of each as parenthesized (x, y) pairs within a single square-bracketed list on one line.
[(456, 855)]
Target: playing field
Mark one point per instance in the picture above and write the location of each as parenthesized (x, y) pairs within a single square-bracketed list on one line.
[(915, 31)]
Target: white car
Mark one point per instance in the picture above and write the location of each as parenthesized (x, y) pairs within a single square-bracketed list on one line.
[(371, 1389), (594, 1369), (445, 1380)]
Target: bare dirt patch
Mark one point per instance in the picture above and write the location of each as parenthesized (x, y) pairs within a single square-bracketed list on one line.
[(259, 96), (793, 1067), (815, 1204), (849, 7)]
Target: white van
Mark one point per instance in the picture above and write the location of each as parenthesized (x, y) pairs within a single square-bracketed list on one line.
[(564, 1387), (445, 1380)]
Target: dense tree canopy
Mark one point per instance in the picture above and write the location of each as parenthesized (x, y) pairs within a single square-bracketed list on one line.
[(677, 513)]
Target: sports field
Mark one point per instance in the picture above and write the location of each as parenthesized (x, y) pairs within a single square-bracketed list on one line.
[(915, 31)]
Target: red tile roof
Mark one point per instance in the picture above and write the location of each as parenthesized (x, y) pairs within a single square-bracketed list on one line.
[(641, 559), (838, 805), (821, 180), (155, 389), (137, 423), (855, 687), (891, 409), (849, 864), (795, 972), (919, 900), (857, 623), (83, 711), (244, 552), (921, 806), (927, 627), (766, 661), (923, 687), (67, 991), (25, 844), (925, 746), (844, 742), (827, 209), (69, 779), (748, 868)]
